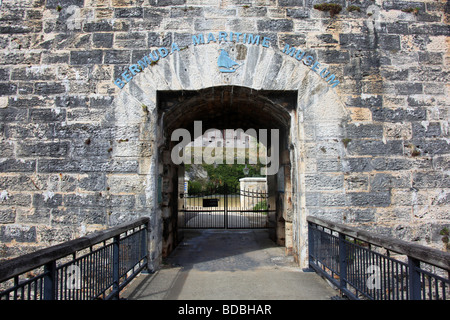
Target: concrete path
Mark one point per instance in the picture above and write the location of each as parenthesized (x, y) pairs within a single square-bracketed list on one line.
[(229, 265)]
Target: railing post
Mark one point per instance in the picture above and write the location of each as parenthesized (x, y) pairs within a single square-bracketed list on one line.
[(145, 246), (310, 245), (116, 249), (50, 281), (414, 279), (342, 261)]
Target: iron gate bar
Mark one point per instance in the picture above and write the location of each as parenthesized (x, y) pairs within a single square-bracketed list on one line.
[(227, 214)]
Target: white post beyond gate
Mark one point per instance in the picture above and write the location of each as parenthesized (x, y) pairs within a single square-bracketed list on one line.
[(251, 184)]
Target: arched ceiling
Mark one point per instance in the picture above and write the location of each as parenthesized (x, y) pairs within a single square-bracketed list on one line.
[(226, 108)]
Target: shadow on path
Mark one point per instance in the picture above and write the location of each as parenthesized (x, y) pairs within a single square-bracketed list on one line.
[(229, 265)]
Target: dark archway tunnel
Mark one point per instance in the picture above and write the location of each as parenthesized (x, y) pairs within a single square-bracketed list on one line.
[(224, 107)]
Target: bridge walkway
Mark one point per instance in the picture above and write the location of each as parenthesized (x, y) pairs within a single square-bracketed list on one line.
[(229, 265)]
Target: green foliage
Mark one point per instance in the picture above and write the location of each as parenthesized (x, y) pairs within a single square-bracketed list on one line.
[(346, 141), (415, 152), (411, 10), (333, 8), (229, 173), (221, 174), (261, 206), (194, 187), (353, 8)]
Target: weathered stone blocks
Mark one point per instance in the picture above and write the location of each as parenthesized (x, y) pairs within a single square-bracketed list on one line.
[(78, 153), (86, 57), (17, 233)]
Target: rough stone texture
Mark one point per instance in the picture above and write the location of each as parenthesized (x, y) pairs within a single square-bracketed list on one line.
[(79, 154)]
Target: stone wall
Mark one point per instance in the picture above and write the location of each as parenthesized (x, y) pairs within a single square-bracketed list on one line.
[(79, 126)]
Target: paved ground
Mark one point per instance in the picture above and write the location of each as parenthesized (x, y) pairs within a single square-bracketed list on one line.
[(229, 265)]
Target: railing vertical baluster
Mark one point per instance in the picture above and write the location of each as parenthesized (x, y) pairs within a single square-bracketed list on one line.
[(310, 245), (443, 288), (63, 289), (29, 292), (360, 273), (16, 283), (436, 287), (50, 284), (414, 279), (386, 278), (98, 268), (396, 282), (35, 289), (144, 254), (389, 277), (41, 289), (89, 272), (116, 247), (402, 287), (424, 293), (342, 261), (22, 293), (362, 285)]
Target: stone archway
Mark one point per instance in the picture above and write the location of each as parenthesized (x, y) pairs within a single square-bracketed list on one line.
[(194, 70), (228, 108)]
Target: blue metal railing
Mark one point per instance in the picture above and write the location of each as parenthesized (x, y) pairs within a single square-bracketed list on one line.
[(365, 266), (97, 266)]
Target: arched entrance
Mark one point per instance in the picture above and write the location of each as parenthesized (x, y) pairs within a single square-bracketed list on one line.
[(271, 89), (268, 113)]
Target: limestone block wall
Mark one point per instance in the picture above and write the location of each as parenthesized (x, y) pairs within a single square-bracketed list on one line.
[(79, 131)]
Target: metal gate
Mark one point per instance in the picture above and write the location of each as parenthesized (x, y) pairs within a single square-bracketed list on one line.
[(226, 208)]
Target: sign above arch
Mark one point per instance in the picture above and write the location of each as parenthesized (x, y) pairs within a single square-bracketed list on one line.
[(225, 63)]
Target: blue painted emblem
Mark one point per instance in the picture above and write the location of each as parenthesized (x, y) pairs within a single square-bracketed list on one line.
[(225, 63)]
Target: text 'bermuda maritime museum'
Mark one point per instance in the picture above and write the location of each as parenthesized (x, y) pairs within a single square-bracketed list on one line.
[(350, 96)]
